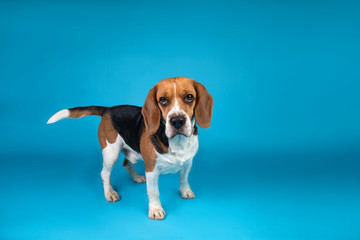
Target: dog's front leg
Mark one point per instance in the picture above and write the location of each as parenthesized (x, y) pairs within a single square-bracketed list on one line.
[(155, 209), (185, 190)]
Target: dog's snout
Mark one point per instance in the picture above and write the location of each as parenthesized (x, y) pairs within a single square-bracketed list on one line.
[(177, 121)]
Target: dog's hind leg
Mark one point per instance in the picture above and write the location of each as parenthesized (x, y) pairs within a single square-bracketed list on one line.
[(111, 144), (129, 166), (110, 156)]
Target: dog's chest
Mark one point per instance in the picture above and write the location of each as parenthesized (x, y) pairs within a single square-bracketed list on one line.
[(181, 150)]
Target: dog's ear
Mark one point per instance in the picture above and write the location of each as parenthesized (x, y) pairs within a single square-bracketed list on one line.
[(204, 105), (151, 112)]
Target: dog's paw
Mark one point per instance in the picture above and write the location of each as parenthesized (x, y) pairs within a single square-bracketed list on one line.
[(112, 196), (139, 179), (187, 194), (156, 213)]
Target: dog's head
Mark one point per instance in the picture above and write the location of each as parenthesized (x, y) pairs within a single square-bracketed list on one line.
[(178, 102)]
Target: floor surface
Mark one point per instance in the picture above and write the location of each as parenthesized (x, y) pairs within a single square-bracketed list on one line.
[(240, 197)]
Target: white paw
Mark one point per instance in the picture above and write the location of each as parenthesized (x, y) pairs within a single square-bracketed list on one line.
[(187, 194), (156, 213), (112, 196), (139, 179)]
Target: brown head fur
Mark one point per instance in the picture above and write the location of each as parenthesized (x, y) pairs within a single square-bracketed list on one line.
[(201, 105)]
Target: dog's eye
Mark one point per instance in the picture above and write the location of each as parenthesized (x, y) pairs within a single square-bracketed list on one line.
[(163, 101), (189, 98)]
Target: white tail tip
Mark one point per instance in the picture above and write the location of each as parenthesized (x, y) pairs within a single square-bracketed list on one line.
[(59, 115)]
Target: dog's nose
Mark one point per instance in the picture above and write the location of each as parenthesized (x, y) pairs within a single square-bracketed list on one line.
[(177, 121)]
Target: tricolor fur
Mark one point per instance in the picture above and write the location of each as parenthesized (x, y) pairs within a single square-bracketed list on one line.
[(163, 133)]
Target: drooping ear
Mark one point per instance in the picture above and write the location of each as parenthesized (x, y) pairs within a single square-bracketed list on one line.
[(204, 105), (151, 112)]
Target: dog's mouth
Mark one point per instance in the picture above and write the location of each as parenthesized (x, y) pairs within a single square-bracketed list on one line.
[(178, 132)]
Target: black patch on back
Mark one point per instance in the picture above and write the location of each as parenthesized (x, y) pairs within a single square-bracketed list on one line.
[(129, 123)]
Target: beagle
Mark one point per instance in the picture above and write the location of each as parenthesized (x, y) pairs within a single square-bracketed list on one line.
[(163, 133)]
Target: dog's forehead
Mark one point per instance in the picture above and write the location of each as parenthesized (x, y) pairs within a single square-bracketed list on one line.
[(168, 86), (185, 86), (165, 88)]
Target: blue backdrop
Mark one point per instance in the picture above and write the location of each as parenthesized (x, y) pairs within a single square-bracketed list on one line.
[(280, 161)]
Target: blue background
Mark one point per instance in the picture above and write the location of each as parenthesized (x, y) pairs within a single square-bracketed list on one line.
[(280, 161)]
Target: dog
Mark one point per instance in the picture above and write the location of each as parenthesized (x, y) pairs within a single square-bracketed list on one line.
[(163, 133)]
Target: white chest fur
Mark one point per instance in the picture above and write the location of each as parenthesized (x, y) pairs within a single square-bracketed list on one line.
[(181, 150)]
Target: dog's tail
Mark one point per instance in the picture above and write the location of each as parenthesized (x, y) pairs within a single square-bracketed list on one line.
[(77, 112)]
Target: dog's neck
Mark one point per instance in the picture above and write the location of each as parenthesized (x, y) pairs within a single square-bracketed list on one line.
[(179, 143), (183, 147)]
